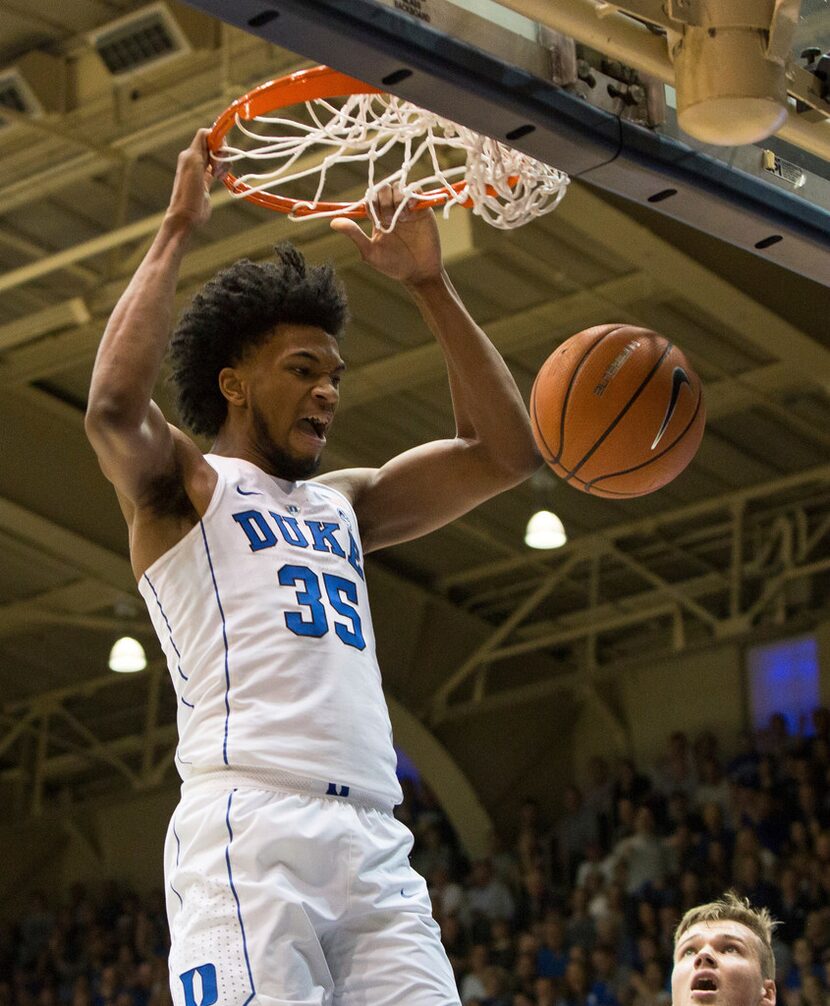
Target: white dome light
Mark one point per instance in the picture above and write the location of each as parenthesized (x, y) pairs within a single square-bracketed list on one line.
[(127, 656), (545, 530)]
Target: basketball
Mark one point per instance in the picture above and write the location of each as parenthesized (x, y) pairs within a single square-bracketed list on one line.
[(617, 411)]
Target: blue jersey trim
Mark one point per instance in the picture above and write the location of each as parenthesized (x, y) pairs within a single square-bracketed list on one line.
[(169, 627), (236, 898), (178, 851), (225, 641)]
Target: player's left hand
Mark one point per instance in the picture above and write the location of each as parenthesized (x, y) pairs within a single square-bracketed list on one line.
[(411, 253)]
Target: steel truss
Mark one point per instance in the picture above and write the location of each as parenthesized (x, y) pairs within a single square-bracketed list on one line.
[(699, 574)]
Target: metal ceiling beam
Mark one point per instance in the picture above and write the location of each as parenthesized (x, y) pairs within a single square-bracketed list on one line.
[(88, 558), (75, 600), (31, 249), (819, 475), (691, 281), (54, 318), (762, 583), (480, 655)]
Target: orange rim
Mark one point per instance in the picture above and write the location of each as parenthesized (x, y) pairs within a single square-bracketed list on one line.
[(304, 85)]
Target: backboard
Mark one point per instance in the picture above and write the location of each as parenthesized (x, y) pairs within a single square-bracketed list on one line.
[(609, 120)]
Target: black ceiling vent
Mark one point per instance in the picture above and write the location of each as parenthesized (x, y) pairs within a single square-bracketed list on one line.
[(142, 39)]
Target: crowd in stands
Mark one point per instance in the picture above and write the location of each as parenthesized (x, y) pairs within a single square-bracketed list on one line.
[(576, 911)]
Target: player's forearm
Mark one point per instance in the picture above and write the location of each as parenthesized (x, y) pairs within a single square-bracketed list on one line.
[(487, 404), (135, 340)]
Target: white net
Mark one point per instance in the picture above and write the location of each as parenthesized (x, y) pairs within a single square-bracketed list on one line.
[(503, 186)]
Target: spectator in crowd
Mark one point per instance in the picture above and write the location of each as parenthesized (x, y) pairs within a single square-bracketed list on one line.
[(714, 829), (676, 772), (775, 740), (447, 896), (522, 999), (750, 882), (546, 992), (552, 956), (815, 930), (593, 869), (524, 974), (793, 904), (488, 898), (534, 900), (577, 827), (504, 861), (496, 986), (472, 983), (609, 979), (747, 844), (768, 822), (681, 850), (705, 746), (456, 943), (599, 795), (643, 854), (575, 985), (502, 948), (712, 787), (803, 965), (629, 784), (742, 768), (530, 817), (649, 988), (813, 993), (432, 851), (528, 851), (580, 928)]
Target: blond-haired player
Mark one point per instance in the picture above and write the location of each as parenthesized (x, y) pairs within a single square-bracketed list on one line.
[(723, 956)]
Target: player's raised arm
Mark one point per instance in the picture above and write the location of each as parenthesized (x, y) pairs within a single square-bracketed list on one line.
[(493, 447), (131, 437)]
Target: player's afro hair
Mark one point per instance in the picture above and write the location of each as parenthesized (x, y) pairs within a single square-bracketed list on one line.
[(237, 310)]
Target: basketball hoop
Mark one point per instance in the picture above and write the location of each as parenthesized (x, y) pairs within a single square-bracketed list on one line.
[(501, 185)]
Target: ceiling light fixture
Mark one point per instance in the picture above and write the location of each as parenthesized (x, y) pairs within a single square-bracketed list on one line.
[(545, 530), (127, 656)]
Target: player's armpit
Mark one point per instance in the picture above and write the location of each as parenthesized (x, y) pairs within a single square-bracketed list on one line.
[(422, 489)]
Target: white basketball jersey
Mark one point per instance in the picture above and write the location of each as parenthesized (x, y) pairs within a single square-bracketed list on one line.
[(263, 615)]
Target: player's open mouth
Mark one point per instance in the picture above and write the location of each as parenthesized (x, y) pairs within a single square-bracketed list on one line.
[(704, 986), (315, 426)]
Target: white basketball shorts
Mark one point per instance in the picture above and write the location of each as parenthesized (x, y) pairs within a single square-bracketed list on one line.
[(278, 898)]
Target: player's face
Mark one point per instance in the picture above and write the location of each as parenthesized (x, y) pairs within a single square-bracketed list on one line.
[(718, 964), (293, 389)]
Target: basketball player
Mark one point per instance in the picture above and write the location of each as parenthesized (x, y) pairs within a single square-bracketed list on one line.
[(288, 878), (723, 956)]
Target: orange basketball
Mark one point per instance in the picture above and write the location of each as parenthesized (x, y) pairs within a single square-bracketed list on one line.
[(617, 411)]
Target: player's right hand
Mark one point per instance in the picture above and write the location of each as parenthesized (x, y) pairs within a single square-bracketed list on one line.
[(195, 173)]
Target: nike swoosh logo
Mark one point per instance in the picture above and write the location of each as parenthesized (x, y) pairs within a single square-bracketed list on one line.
[(679, 377), (248, 492), (404, 895)]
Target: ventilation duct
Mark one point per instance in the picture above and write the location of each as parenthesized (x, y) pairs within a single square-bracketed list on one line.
[(32, 87), (142, 39)]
